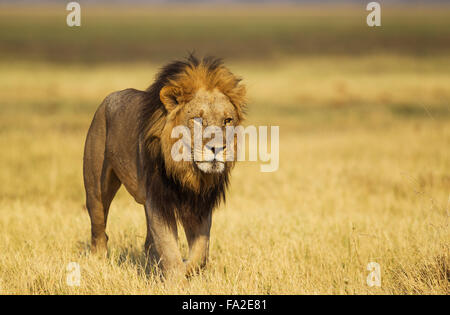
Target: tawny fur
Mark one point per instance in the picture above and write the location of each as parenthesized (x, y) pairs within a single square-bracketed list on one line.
[(129, 143)]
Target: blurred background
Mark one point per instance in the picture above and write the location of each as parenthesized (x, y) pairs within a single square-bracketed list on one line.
[(155, 31), (364, 122)]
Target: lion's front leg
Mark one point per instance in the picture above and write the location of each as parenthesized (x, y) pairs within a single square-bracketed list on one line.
[(162, 242), (197, 234)]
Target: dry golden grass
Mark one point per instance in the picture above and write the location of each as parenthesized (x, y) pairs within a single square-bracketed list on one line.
[(364, 176)]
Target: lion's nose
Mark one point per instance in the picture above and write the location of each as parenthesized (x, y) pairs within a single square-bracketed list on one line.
[(216, 150)]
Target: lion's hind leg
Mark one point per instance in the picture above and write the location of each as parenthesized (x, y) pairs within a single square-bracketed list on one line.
[(98, 226), (100, 181), (98, 207)]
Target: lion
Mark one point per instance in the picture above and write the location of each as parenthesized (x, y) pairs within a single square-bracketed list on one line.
[(129, 142)]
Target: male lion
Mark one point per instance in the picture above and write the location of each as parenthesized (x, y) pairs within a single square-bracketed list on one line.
[(129, 142)]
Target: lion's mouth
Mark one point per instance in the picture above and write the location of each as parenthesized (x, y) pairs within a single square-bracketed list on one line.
[(210, 167)]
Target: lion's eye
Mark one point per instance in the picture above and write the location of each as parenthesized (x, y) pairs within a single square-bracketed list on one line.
[(227, 121)]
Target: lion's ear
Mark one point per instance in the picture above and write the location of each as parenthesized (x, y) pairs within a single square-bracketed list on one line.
[(238, 98), (169, 96)]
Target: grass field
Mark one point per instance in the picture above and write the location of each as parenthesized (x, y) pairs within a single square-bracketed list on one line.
[(364, 155)]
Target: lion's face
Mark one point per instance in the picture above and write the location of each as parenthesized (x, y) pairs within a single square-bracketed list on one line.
[(209, 112), (204, 98)]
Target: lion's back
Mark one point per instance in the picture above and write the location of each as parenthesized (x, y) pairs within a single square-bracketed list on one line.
[(125, 104)]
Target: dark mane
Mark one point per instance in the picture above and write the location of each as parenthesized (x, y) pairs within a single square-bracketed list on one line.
[(162, 78)]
